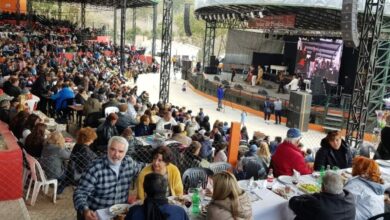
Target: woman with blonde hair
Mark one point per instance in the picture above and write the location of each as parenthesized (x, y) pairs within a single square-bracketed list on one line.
[(263, 152), (229, 202), (54, 155), (367, 186)]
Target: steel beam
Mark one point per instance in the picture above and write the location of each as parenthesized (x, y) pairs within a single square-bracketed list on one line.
[(29, 13), (123, 37), (83, 7), (115, 25), (59, 16), (166, 46), (18, 12), (366, 70), (154, 30), (134, 25), (209, 42)]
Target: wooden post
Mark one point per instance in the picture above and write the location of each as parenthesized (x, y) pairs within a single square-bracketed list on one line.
[(235, 130)]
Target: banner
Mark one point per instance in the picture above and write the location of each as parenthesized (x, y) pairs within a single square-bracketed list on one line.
[(277, 21)]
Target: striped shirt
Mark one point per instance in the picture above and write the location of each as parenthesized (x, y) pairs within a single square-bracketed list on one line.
[(99, 187)]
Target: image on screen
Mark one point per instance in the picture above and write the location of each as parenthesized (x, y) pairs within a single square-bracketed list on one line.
[(319, 57)]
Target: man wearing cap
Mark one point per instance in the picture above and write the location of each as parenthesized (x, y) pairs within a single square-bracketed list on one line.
[(289, 157)]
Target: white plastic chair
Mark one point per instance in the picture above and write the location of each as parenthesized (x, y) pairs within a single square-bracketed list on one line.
[(39, 182), (111, 109)]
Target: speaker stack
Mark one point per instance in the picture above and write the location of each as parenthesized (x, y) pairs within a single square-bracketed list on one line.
[(186, 68), (298, 111), (187, 27), (349, 28)]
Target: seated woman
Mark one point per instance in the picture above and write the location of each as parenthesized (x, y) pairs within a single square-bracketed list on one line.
[(368, 188), (17, 123), (220, 155), (263, 153), (143, 128), (82, 96), (191, 157), (34, 141), (128, 135), (228, 200), (155, 206), (333, 152), (105, 131), (31, 121), (161, 164), (53, 156)]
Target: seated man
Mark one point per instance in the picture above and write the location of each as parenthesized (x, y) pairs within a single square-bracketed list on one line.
[(289, 157), (156, 204), (332, 203), (166, 122), (107, 181)]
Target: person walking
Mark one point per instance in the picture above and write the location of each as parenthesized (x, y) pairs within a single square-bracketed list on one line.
[(244, 115), (278, 110), (233, 73), (220, 94)]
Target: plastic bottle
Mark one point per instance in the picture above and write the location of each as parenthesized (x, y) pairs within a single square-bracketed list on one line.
[(270, 179), (196, 202), (322, 174)]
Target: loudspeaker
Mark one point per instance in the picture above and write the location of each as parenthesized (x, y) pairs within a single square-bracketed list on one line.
[(262, 92), (213, 61), (349, 28), (211, 70), (317, 87), (298, 120), (187, 27), (300, 102), (186, 65)]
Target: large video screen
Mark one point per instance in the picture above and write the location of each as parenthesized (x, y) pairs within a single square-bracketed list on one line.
[(319, 57)]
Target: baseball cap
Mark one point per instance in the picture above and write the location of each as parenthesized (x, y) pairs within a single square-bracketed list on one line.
[(293, 133)]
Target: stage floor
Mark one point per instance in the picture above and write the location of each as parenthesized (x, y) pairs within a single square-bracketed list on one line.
[(239, 79)]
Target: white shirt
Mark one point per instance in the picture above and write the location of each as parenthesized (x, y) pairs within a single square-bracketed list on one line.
[(161, 123), (293, 84), (220, 156)]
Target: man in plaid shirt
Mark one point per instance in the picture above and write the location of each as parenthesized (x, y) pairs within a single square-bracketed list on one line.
[(107, 180)]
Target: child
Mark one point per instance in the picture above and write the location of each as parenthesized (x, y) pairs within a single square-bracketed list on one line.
[(243, 118), (309, 156), (184, 87)]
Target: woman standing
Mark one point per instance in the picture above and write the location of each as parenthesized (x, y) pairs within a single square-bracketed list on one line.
[(228, 202)]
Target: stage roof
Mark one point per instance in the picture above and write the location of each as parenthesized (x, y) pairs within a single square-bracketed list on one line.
[(108, 3), (312, 16)]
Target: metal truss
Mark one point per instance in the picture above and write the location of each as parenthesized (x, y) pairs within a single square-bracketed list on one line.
[(83, 6), (115, 25), (59, 9), (209, 42), (369, 42), (29, 13), (18, 11), (154, 30), (134, 25), (381, 83), (166, 50), (123, 37)]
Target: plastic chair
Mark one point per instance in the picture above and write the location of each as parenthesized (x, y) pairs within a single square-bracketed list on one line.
[(111, 109), (383, 216), (39, 182), (219, 167), (192, 176)]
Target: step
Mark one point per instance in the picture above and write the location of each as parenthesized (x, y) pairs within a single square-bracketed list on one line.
[(331, 128), (334, 115), (334, 119)]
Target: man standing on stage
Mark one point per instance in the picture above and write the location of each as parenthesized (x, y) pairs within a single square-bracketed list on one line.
[(233, 73), (278, 110), (220, 94)]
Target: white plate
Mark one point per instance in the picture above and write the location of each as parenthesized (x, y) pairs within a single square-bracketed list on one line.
[(383, 163), (119, 209), (285, 179), (244, 184)]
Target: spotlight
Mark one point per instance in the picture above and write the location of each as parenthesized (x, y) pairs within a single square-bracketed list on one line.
[(223, 17), (210, 17), (234, 16), (252, 14), (228, 16), (215, 17), (261, 14)]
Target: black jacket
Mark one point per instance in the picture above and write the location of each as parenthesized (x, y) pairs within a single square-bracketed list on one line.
[(325, 156), (11, 90), (383, 151), (123, 122), (142, 130), (104, 132), (324, 206), (39, 87)]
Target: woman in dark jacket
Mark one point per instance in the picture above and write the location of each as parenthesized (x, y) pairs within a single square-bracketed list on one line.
[(143, 128), (17, 124), (333, 152), (105, 131), (34, 141), (191, 156), (383, 151)]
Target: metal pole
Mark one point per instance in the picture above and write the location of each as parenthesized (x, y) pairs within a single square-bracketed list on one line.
[(115, 25), (123, 37), (134, 25), (30, 13), (83, 6), (59, 9), (17, 12), (154, 30), (166, 50)]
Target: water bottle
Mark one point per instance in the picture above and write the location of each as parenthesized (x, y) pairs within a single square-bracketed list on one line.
[(196, 202), (270, 179)]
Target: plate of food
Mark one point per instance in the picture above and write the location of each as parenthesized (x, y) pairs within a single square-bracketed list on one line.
[(286, 179), (383, 163), (285, 192), (119, 209), (309, 188), (247, 184)]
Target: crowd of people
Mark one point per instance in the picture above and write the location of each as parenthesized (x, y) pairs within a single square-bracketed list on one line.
[(102, 165)]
